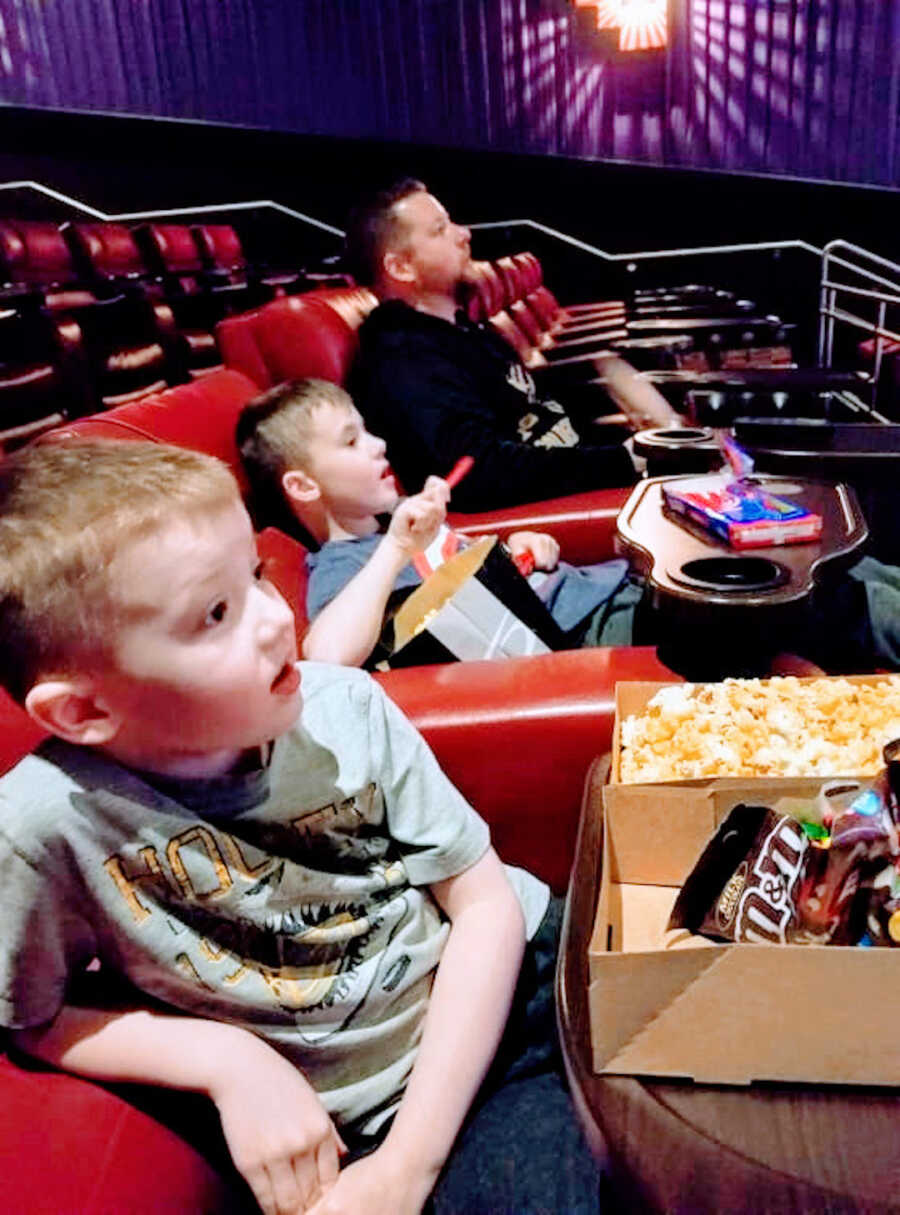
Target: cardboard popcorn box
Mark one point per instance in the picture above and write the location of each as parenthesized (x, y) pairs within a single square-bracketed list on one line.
[(667, 1003)]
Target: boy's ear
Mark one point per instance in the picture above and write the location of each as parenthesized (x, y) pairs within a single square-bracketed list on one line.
[(72, 709), (300, 487)]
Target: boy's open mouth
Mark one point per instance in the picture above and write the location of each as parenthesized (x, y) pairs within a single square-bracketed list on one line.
[(287, 681)]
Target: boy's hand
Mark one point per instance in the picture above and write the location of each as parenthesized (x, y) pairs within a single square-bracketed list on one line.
[(417, 520), (542, 547), (376, 1185), (279, 1134)]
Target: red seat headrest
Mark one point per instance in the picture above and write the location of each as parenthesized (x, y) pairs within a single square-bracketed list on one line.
[(110, 248), (201, 415), (302, 335), (176, 247), (221, 245), (35, 252)]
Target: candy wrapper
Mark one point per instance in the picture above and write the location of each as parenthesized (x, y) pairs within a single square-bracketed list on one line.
[(829, 874), (738, 510), (883, 911)]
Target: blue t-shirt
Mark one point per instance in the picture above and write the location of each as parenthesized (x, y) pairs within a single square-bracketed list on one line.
[(572, 593)]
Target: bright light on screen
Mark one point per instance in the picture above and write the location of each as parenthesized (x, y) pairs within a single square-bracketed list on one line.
[(641, 23)]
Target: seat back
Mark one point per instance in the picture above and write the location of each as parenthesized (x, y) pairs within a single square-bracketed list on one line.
[(107, 251), (201, 415), (529, 266), (220, 246), (314, 334), (34, 253), (513, 278), (486, 294), (175, 248), (487, 301)]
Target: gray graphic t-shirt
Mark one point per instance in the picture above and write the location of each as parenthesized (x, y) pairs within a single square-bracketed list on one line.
[(290, 899)]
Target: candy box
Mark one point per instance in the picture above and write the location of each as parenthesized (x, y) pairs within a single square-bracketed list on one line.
[(665, 1003), (741, 514)]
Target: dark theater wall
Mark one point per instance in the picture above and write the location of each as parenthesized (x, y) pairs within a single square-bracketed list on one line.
[(808, 88)]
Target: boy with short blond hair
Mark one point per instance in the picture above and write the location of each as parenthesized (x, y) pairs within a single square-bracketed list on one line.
[(306, 449), (269, 848)]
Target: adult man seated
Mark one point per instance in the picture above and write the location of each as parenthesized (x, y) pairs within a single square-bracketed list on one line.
[(437, 386)]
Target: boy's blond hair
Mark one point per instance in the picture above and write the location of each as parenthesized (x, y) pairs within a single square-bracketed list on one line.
[(273, 436), (67, 510)]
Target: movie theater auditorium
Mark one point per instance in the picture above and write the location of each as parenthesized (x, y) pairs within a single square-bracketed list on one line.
[(708, 188)]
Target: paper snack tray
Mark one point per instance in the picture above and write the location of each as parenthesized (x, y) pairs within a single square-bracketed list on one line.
[(475, 605), (742, 516), (670, 1004)]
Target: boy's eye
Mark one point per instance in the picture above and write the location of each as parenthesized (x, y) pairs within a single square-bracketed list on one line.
[(216, 613), (259, 572)]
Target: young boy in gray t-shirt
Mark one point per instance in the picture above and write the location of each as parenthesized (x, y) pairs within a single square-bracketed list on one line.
[(266, 846)]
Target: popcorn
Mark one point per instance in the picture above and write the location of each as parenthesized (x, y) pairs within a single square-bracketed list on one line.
[(761, 727)]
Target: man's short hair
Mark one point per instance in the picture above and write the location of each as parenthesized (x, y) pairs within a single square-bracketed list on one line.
[(273, 436), (373, 228), (67, 510)]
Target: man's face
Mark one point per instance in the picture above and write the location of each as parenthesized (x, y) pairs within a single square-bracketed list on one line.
[(203, 663), (435, 249), (349, 465)]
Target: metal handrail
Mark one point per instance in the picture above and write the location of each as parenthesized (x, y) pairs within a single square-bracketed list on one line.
[(170, 211), (646, 254), (564, 237), (834, 307)]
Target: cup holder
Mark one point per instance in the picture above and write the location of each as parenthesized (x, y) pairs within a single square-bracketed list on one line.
[(732, 574), (676, 436)]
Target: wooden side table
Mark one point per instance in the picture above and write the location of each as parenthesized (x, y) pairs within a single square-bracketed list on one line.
[(698, 1149)]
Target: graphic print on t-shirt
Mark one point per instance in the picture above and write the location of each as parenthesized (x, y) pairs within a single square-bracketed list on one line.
[(301, 917)]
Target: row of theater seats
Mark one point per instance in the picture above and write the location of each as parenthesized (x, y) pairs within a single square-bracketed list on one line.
[(713, 355), (95, 314), (273, 343), (315, 333), (690, 327), (154, 306)]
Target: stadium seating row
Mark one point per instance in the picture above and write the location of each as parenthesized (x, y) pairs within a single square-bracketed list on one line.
[(96, 314), (694, 328), (315, 333), (163, 303), (70, 261)]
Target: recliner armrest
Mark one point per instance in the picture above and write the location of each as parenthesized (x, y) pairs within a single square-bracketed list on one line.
[(584, 524), (517, 738)]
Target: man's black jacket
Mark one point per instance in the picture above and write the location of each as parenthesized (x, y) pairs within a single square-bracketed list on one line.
[(436, 391)]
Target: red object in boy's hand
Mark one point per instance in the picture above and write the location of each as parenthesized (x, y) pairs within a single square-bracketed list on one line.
[(462, 466), (525, 562)]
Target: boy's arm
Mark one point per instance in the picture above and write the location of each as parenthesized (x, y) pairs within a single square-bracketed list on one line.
[(280, 1136), (346, 630), (469, 1005)]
